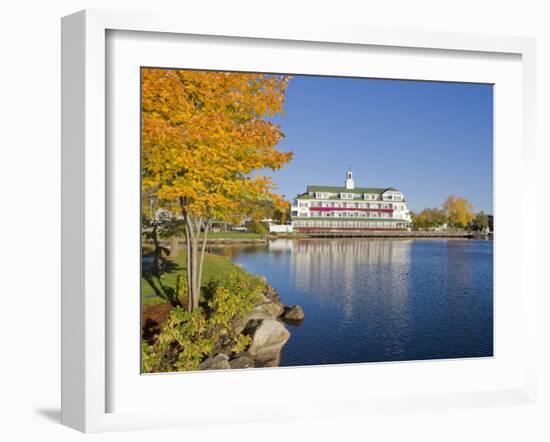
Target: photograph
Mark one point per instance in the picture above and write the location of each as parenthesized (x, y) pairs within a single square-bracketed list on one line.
[(292, 220), (276, 220)]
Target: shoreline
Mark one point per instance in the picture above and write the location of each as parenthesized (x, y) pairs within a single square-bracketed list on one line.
[(264, 325), (345, 235)]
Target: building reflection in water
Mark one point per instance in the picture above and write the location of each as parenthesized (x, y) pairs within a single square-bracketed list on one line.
[(316, 264), (366, 280)]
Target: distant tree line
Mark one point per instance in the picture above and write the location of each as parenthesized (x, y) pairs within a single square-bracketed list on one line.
[(456, 212)]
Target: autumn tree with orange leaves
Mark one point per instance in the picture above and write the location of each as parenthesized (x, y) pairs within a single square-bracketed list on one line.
[(204, 135)]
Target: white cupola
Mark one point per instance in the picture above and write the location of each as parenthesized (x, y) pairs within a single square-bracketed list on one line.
[(349, 180)]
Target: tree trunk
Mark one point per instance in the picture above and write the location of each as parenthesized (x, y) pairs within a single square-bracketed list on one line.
[(194, 255), (206, 226), (174, 248), (192, 268), (188, 261), (157, 254), (194, 274)]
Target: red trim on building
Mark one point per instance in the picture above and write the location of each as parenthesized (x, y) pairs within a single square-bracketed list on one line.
[(337, 209)]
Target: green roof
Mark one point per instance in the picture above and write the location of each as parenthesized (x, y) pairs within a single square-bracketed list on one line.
[(342, 189)]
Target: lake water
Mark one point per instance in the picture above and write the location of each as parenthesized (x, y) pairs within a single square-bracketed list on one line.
[(380, 300)]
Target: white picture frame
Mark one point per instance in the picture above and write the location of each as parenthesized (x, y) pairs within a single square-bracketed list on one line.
[(85, 307)]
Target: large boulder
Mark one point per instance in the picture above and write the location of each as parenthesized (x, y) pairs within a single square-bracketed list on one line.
[(270, 360), (268, 337), (218, 362), (239, 324), (267, 309), (243, 360), (294, 313), (258, 315)]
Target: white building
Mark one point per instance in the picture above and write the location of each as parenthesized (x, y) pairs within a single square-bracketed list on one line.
[(280, 228), (332, 208)]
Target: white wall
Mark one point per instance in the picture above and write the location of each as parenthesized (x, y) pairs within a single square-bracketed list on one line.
[(30, 181), (280, 228)]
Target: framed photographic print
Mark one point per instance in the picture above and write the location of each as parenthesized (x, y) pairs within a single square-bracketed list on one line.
[(315, 214)]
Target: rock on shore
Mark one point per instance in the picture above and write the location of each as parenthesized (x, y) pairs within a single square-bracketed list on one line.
[(243, 360), (267, 309), (266, 330), (218, 362), (264, 326), (293, 313), (268, 338)]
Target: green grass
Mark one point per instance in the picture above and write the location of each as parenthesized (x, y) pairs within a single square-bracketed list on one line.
[(215, 267)]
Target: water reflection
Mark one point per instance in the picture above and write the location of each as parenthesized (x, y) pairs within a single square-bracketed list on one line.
[(342, 272), (379, 300)]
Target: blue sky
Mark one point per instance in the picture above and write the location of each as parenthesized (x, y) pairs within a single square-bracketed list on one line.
[(427, 139)]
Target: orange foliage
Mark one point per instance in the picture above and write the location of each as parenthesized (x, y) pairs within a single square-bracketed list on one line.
[(203, 133)]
